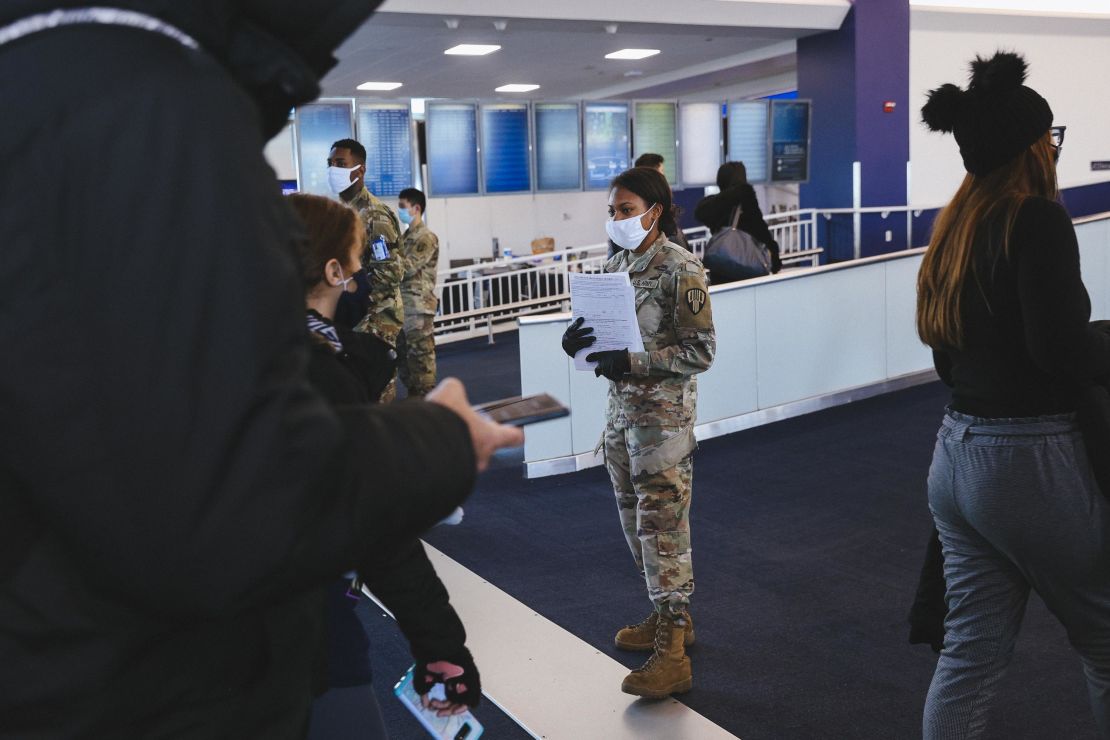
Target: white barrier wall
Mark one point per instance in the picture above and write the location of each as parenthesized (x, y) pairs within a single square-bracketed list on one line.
[(782, 342)]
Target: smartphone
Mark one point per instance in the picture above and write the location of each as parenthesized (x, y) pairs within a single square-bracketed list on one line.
[(456, 727), (520, 410)]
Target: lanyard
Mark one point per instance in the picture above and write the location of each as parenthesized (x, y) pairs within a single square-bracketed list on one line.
[(86, 16)]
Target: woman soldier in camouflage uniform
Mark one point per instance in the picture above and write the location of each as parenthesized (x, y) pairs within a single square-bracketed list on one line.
[(649, 432)]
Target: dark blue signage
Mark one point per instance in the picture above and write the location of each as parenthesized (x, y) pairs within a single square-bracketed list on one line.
[(606, 127), (452, 140), (386, 132), (558, 165), (318, 126), (505, 148), (789, 141)]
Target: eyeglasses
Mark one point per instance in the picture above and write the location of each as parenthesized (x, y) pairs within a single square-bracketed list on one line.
[(1058, 135)]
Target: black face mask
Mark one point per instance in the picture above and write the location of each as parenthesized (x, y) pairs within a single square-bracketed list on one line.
[(354, 306)]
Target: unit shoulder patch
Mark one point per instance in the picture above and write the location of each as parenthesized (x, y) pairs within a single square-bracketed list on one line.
[(692, 302)]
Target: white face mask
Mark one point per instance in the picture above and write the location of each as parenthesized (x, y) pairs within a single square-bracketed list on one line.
[(339, 178), (628, 233)]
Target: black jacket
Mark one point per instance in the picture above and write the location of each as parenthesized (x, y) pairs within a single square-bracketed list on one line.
[(171, 487), (403, 577), (715, 212)]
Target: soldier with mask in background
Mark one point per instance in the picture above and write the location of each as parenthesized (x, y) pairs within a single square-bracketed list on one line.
[(416, 345), (381, 299), (649, 432)]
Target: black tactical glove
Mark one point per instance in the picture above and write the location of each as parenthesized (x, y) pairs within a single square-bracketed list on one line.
[(614, 364), (577, 337), (465, 688)]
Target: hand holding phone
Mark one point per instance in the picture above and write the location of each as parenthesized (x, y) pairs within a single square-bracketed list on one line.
[(461, 726), (520, 410)]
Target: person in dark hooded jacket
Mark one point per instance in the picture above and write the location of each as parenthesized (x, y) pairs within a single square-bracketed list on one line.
[(715, 211), (172, 489)]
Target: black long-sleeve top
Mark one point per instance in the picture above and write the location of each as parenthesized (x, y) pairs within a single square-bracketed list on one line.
[(1028, 348), (715, 211)]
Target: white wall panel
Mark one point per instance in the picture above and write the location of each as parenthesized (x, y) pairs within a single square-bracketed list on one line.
[(731, 382), (552, 438), (820, 334), (905, 352), (1094, 260)]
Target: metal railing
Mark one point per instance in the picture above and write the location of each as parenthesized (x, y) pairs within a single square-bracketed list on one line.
[(483, 299)]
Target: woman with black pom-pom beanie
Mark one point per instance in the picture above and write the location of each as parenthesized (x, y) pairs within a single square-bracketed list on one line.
[(1001, 302)]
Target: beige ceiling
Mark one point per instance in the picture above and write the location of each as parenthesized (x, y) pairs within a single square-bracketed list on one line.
[(565, 56)]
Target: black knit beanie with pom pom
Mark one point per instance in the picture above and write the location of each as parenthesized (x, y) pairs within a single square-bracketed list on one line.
[(995, 119)]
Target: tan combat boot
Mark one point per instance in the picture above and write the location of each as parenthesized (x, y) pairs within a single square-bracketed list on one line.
[(641, 637), (667, 671)]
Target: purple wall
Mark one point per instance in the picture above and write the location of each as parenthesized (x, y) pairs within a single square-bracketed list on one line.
[(849, 74)]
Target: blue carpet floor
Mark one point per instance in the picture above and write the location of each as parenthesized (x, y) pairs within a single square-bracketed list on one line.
[(808, 537)]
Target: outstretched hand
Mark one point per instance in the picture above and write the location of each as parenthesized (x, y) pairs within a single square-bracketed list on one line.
[(486, 436)]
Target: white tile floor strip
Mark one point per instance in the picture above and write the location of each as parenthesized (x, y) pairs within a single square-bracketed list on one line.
[(554, 685)]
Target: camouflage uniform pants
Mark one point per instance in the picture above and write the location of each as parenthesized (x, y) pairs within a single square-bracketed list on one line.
[(652, 472), (416, 353)]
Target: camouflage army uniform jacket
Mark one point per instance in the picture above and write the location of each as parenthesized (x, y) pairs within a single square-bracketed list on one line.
[(386, 314), (676, 323), (420, 251)]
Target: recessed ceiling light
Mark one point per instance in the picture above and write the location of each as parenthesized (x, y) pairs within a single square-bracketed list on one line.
[(517, 88), (379, 86), (472, 50), (632, 54)]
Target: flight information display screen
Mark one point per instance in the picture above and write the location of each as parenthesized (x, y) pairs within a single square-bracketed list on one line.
[(452, 141), (319, 125), (385, 129), (505, 160), (653, 130), (701, 142), (558, 165), (606, 133), (747, 137), (790, 140)]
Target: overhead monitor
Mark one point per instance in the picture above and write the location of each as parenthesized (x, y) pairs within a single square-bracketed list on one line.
[(606, 134), (790, 140), (385, 129), (558, 153), (700, 142), (452, 139), (747, 137), (505, 157), (653, 130), (319, 125)]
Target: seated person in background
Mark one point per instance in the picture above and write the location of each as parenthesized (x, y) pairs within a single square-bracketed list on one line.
[(715, 211), (345, 371)]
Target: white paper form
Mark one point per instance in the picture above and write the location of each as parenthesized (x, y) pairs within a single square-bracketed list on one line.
[(607, 303)]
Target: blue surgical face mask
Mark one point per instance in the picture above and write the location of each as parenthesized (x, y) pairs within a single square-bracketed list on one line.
[(405, 215)]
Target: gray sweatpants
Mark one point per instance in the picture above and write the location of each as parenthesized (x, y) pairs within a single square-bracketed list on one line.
[(1016, 506)]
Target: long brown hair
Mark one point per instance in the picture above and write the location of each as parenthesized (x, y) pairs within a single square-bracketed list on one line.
[(329, 228), (947, 264)]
